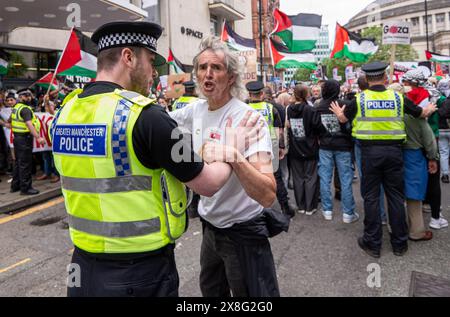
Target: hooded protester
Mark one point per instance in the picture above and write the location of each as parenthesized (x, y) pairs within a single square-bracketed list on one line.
[(303, 151), (336, 146)]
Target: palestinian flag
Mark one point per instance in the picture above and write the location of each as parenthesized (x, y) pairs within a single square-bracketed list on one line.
[(438, 58), (299, 32), (235, 41), (3, 67), (352, 46), (79, 58), (283, 59), (46, 82), (175, 63)]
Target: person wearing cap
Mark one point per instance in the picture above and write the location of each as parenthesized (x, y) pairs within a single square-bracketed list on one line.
[(26, 128), (273, 119), (378, 125), (188, 97), (236, 257), (123, 187)]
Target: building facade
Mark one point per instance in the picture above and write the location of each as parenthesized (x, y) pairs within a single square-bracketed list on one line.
[(413, 11), (268, 7), (187, 23), (323, 49), (33, 33)]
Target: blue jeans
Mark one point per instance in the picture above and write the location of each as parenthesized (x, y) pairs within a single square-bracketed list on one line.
[(326, 168), (359, 164), (49, 165), (444, 149)]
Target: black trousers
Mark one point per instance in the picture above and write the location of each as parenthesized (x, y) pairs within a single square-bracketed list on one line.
[(434, 193), (230, 268), (306, 183), (282, 194), (23, 149), (383, 165), (150, 276)]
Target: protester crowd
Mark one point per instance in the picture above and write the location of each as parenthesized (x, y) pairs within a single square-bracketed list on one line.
[(323, 149), (324, 135), (42, 166)]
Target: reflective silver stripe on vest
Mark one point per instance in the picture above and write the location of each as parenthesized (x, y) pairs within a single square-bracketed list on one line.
[(115, 229), (383, 132), (107, 185), (387, 119), (129, 95)]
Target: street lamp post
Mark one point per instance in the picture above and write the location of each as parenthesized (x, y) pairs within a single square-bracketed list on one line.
[(426, 24), (261, 46)]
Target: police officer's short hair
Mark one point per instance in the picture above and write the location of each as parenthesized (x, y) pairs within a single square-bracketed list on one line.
[(107, 59)]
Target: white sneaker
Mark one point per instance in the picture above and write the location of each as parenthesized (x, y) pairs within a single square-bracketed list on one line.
[(310, 213), (302, 212), (438, 224), (328, 215), (351, 218)]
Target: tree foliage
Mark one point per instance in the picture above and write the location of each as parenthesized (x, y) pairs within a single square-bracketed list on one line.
[(303, 74)]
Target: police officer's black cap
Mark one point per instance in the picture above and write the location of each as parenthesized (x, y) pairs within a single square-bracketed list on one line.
[(133, 34), (24, 91), (189, 84), (11, 95), (375, 69), (255, 87)]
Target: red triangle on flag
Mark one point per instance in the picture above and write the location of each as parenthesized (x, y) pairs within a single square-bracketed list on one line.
[(342, 38), (283, 21), (71, 55)]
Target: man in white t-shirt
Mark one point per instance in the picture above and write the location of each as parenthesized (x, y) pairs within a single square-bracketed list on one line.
[(236, 254)]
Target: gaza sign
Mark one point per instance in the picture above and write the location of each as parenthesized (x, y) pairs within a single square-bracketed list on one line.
[(397, 32)]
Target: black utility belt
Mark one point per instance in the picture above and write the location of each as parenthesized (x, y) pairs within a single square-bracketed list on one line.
[(20, 134)]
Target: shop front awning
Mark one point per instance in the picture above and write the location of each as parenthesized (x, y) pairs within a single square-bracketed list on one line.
[(54, 14)]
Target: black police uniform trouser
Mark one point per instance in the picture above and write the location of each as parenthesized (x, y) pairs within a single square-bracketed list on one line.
[(383, 165), (23, 149), (150, 276)]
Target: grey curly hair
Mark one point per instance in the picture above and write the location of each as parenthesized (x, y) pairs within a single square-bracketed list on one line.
[(232, 63)]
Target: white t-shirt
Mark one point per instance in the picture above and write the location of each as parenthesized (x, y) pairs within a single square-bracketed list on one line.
[(231, 205)]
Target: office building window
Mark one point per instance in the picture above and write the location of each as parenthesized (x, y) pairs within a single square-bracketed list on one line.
[(214, 26), (427, 21)]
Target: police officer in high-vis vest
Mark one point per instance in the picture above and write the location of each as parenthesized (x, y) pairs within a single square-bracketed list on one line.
[(26, 128), (378, 124), (123, 187), (270, 113), (188, 97)]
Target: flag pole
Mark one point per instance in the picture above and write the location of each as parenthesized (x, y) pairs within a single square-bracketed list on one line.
[(59, 62), (391, 75)]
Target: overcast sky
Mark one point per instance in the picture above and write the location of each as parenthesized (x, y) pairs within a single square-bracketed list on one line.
[(332, 11)]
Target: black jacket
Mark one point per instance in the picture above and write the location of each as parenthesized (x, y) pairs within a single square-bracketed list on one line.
[(304, 125), (444, 115), (334, 136)]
